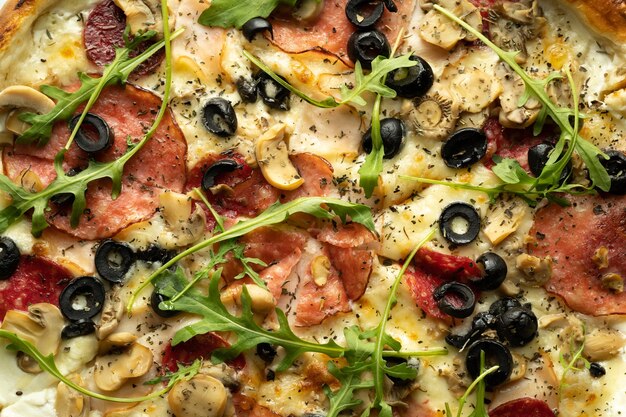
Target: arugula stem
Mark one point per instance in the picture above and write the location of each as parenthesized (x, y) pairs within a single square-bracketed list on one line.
[(416, 353), (218, 219)]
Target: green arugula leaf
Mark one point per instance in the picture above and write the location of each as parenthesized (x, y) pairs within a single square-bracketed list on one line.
[(373, 164), (510, 171), (537, 89), (47, 364), (234, 13), (479, 383)]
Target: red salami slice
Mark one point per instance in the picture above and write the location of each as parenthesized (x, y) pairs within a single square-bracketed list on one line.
[(522, 407), (160, 164), (511, 143), (198, 347), (317, 174), (104, 31), (330, 32), (316, 302), (422, 285), (575, 237), (36, 280)]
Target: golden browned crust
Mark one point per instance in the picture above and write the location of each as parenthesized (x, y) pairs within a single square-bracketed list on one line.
[(607, 17), (14, 14)]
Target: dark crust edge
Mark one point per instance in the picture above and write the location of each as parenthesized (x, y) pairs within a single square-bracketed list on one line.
[(606, 17), (13, 14)]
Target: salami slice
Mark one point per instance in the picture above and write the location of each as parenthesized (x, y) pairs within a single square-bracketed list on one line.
[(587, 243), (104, 31), (316, 302), (511, 143), (198, 347), (330, 32), (522, 407), (159, 165), (36, 280)]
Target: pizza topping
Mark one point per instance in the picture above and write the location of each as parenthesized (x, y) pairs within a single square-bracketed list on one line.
[(616, 168), (219, 118), (274, 94), (392, 133), (113, 260), (496, 354), (362, 14), (494, 272), (272, 155), (459, 223), (14, 101), (517, 325), (9, 257), (82, 299), (256, 25), (538, 156), (41, 326), (85, 138), (219, 169), (511, 114), (603, 344), (437, 30), (526, 407), (200, 396), (77, 329), (464, 148), (434, 115), (141, 15), (157, 298), (413, 81), (123, 362), (364, 47), (455, 299), (261, 300)]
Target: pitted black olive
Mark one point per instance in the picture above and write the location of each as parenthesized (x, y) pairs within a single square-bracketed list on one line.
[(538, 156), (65, 198), (390, 5), (455, 299), (596, 370), (219, 167), (256, 25), (82, 299), (272, 93), (450, 231), (501, 305), (266, 352), (365, 46), (247, 90), (94, 133), (481, 322), (364, 13), (113, 260), (219, 118), (155, 253), (78, 328), (9, 257), (413, 81), (495, 354), (616, 168), (392, 132), (464, 148), (155, 299), (494, 271), (456, 340), (517, 325)]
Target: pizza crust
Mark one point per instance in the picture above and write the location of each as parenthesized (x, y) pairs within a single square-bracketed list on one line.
[(607, 17), (17, 16)]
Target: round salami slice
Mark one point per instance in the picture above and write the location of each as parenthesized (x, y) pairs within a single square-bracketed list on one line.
[(511, 143), (522, 407), (586, 244), (36, 280), (104, 31), (159, 165), (198, 347)]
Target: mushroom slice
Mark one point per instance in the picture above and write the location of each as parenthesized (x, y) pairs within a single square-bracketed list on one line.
[(603, 344), (441, 31), (434, 115), (41, 326), (16, 99), (111, 315), (141, 15), (309, 10), (511, 115), (262, 301), (272, 154), (70, 403), (201, 396), (503, 219), (116, 340), (111, 371)]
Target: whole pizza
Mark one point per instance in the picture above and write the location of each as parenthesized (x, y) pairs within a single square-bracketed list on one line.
[(312, 208)]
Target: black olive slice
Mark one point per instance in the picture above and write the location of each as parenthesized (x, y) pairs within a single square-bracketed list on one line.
[(273, 94), (495, 354), (517, 325), (413, 81), (82, 299), (464, 147), (616, 168), (155, 253), (219, 118), (220, 167), (481, 322), (266, 352), (364, 13), (247, 89), (392, 132), (501, 305), (366, 46), (456, 340), (596, 370), (94, 134), (155, 299), (538, 156), (494, 272), (113, 260), (256, 25), (455, 299), (9, 257), (448, 218), (78, 328)]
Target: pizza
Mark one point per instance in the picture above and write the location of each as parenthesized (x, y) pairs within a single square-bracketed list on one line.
[(312, 208)]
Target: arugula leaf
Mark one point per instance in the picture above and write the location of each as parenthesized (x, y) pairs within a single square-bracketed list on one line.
[(47, 364), (560, 115), (116, 72), (479, 384), (373, 164), (576, 354), (234, 13), (274, 214)]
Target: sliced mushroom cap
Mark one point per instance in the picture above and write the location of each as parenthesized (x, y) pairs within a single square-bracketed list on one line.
[(309, 10), (438, 30), (186, 224), (141, 15), (111, 315), (116, 340), (503, 219), (201, 396), (511, 115), (434, 115), (41, 326), (272, 154), (16, 99), (513, 23), (70, 403), (262, 301), (603, 344), (111, 371)]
